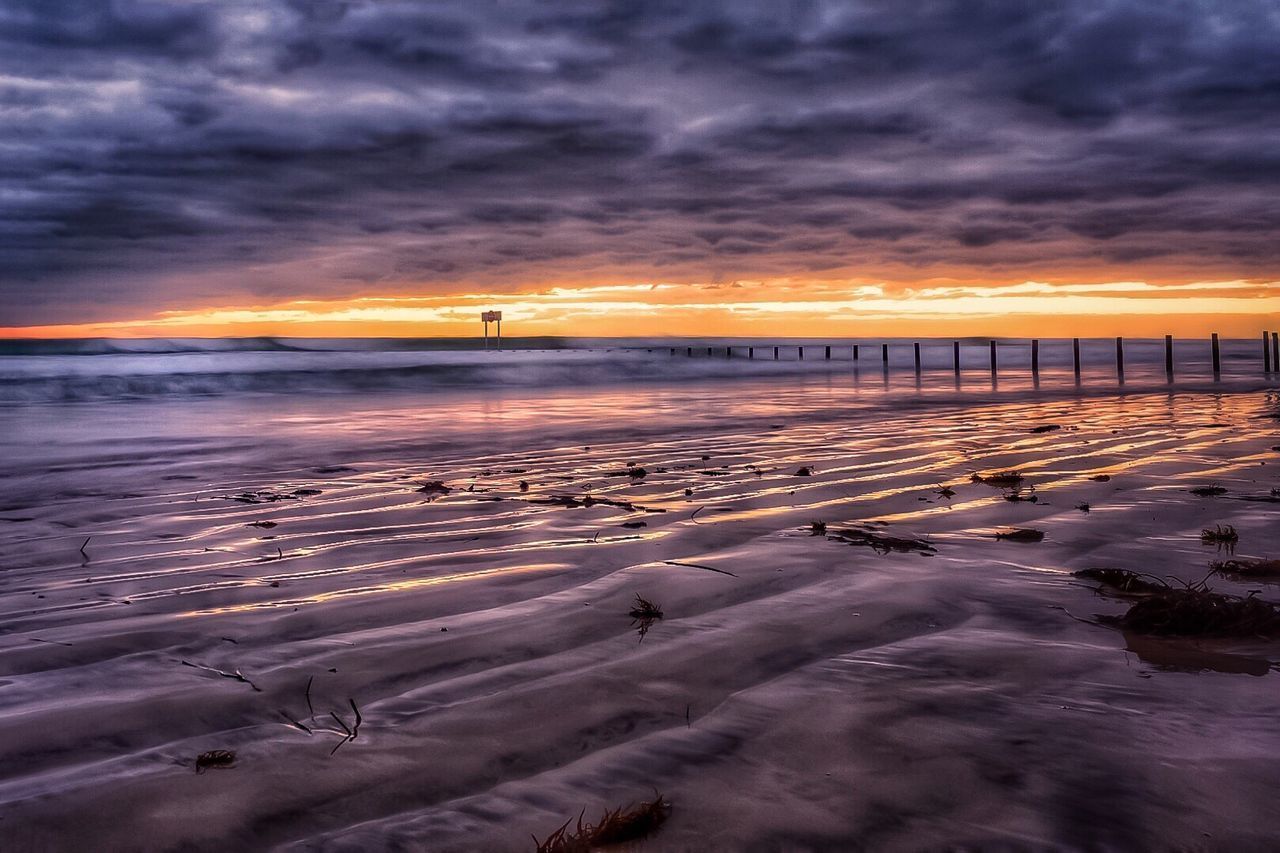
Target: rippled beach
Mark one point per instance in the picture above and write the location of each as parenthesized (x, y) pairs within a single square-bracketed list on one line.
[(251, 572)]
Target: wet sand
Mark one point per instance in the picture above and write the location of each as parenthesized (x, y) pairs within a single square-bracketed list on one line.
[(807, 694)]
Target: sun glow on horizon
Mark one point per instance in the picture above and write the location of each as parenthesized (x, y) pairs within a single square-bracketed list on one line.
[(783, 307)]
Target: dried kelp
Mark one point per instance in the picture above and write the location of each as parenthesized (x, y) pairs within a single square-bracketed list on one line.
[(883, 543), (616, 826)]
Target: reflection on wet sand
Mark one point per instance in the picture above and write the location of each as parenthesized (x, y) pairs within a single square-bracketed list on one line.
[(849, 649)]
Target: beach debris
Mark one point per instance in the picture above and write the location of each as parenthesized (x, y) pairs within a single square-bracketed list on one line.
[(435, 488), (1124, 581), (633, 525), (215, 759), (946, 492), (524, 485), (1046, 428), (1197, 611), (1001, 480), (234, 676), (616, 826), (291, 721), (1016, 495), (636, 473), (688, 493), (817, 528), (589, 501), (1247, 568), (1220, 535), (84, 545), (265, 525), (1101, 478), (267, 496), (643, 614), (883, 543), (352, 731), (1083, 507), (806, 471), (715, 472), (1208, 491), (698, 566), (1021, 534)]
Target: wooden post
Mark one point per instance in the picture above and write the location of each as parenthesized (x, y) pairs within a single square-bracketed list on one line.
[(1075, 355), (751, 352), (689, 352), (828, 353), (1217, 358), (728, 352), (1266, 355), (993, 359), (673, 350), (1035, 356), (917, 358), (1168, 356), (855, 352), (775, 353), (955, 357), (884, 355), (1275, 349), (800, 353), (1120, 359), (708, 352)]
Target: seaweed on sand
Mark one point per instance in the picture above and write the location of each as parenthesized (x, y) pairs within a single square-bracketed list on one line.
[(215, 758), (1101, 478), (644, 613), (1220, 535), (1021, 534), (616, 826), (435, 488), (632, 470), (1016, 495), (1247, 568), (1043, 428), (1208, 491), (806, 471), (883, 543), (1196, 611), (817, 528), (1000, 480), (1124, 581)]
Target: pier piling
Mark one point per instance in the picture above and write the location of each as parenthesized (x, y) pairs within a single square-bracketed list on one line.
[(1075, 356), (955, 357), (993, 359), (1168, 357), (917, 358), (1217, 358), (1120, 359)]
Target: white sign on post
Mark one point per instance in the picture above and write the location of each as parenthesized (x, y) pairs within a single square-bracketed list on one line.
[(491, 317)]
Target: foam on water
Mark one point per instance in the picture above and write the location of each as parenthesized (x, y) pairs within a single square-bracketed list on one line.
[(100, 369)]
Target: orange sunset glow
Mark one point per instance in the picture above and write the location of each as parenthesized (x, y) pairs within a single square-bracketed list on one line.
[(742, 308)]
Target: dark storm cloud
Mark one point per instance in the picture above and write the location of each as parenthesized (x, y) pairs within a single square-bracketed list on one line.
[(152, 147)]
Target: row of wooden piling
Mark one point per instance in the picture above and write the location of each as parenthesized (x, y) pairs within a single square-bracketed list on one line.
[(1270, 355)]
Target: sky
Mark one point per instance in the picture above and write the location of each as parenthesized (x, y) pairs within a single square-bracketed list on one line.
[(613, 167)]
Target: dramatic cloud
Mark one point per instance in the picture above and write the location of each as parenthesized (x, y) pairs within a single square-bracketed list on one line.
[(182, 154)]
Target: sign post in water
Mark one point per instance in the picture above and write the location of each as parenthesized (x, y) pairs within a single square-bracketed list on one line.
[(492, 317)]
